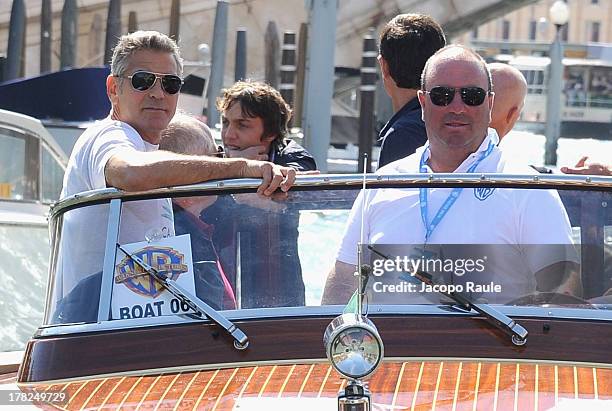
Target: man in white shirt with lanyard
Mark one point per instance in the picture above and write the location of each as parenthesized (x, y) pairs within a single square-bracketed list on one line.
[(121, 151), (456, 98)]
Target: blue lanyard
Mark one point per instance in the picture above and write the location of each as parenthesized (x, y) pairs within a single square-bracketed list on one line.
[(450, 200)]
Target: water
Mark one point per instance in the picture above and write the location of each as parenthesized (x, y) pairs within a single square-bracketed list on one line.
[(525, 146), (528, 147), (24, 252), (320, 234)]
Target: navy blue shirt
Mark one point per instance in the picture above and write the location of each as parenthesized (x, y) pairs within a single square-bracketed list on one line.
[(290, 154), (403, 134)]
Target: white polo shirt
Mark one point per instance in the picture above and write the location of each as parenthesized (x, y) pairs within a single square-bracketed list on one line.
[(84, 230), (518, 217)]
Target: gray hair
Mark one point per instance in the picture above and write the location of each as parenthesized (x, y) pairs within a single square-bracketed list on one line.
[(466, 50), (187, 135), (143, 40)]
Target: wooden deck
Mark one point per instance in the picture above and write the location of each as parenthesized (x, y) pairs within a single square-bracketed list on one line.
[(399, 385)]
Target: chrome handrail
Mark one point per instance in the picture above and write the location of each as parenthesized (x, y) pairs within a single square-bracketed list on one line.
[(558, 181)]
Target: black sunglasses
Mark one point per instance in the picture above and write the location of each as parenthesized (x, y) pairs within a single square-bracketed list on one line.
[(144, 80), (471, 96)]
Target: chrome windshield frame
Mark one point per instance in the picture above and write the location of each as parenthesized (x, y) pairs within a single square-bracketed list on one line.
[(112, 236), (541, 181), (307, 183)]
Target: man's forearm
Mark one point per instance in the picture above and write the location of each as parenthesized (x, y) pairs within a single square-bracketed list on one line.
[(340, 285), (164, 169)]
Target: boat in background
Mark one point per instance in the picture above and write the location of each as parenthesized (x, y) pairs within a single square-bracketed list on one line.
[(586, 100), (60, 100), (32, 167)]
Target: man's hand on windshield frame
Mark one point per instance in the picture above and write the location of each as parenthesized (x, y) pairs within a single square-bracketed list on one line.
[(273, 175)]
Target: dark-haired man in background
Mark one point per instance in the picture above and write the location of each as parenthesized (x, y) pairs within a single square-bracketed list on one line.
[(254, 126), (406, 42)]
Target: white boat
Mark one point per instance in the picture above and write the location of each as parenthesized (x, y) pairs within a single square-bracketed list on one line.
[(32, 166), (586, 101)]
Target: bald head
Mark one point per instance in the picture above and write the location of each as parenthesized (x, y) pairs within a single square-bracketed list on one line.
[(187, 135), (510, 90), (454, 52)]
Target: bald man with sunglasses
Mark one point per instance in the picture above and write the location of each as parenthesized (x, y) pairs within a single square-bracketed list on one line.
[(121, 151), (456, 98)]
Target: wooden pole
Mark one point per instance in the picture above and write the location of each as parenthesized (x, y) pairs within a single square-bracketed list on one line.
[(132, 22), (240, 65), (271, 47), (367, 92), (15, 48), (23, 54), (46, 18), (113, 29), (68, 46), (175, 20), (298, 98), (96, 39), (287, 68)]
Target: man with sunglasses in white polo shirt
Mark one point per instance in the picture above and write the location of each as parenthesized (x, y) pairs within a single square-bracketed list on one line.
[(121, 151), (456, 98)]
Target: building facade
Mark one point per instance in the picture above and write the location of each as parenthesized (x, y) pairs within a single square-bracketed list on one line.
[(590, 21)]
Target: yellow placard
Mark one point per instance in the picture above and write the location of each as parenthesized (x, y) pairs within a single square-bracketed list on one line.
[(5, 190)]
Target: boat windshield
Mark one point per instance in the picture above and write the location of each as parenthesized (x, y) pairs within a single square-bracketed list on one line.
[(503, 242)]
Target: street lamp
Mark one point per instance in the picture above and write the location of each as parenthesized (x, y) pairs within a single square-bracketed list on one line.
[(559, 15)]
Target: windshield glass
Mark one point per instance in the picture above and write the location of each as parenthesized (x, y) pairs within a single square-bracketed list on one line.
[(240, 251), (13, 181)]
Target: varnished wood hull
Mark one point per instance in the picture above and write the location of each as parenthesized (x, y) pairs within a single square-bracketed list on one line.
[(431, 361), (294, 339), (411, 384)]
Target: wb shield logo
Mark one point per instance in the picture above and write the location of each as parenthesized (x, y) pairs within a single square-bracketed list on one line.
[(166, 260), (482, 193)]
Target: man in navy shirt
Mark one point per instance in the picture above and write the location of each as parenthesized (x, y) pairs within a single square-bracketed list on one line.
[(254, 126), (255, 122), (406, 43)]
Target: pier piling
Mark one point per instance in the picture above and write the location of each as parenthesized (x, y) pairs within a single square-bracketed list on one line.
[(68, 46), (46, 36), (113, 29), (16, 42), (240, 65), (271, 54), (287, 68), (367, 91)]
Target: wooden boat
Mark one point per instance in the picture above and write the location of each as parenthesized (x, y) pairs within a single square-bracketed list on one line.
[(268, 353)]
